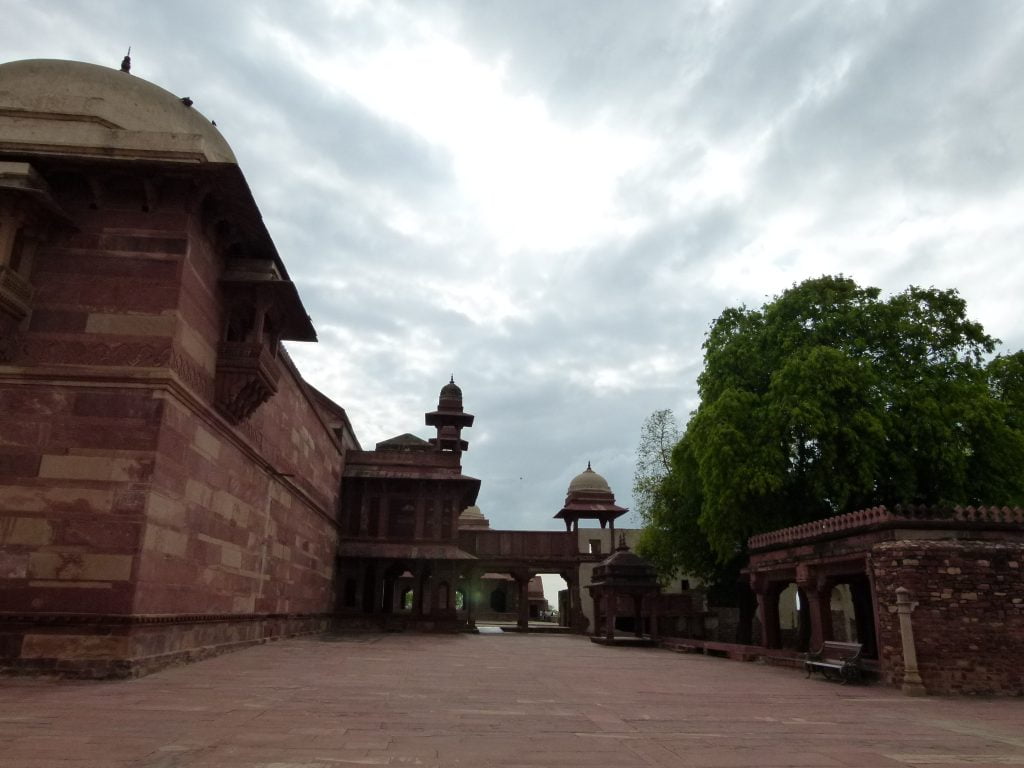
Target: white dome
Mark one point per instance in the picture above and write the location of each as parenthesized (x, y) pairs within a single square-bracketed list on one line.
[(49, 106), (589, 480)]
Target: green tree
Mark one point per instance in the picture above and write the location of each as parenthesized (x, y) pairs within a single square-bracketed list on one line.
[(829, 399)]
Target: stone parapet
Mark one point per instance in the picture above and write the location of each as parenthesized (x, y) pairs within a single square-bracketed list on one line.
[(881, 516)]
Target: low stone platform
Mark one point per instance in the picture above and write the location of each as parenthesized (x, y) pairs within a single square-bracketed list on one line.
[(490, 701), (625, 641)]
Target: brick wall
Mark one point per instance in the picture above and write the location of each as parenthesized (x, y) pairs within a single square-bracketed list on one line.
[(969, 621)]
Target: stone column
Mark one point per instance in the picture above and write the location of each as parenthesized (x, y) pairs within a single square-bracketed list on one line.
[(378, 589), (654, 617), (819, 604), (382, 517), (611, 600), (364, 514), (523, 582), (419, 584), (638, 613), (468, 596), (576, 619), (420, 518), (913, 685), (768, 606)]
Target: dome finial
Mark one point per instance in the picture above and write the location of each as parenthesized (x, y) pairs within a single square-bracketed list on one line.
[(452, 380), (588, 466), (126, 62)]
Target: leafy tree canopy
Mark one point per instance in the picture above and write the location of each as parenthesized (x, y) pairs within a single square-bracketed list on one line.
[(828, 399)]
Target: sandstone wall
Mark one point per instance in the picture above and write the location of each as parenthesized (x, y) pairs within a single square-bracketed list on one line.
[(969, 621), (136, 524)]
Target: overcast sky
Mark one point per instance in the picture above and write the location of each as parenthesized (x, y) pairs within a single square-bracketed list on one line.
[(553, 200)]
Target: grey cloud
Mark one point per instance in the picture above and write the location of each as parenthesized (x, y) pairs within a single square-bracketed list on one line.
[(929, 106)]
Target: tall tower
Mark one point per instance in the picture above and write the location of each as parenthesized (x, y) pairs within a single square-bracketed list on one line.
[(449, 418)]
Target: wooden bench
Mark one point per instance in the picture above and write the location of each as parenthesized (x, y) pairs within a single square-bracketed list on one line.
[(835, 658)]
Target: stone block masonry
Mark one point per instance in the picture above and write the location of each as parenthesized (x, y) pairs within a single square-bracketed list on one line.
[(969, 618), (138, 526)]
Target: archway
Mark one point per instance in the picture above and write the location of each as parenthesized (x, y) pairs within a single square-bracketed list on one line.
[(498, 600), (794, 618)]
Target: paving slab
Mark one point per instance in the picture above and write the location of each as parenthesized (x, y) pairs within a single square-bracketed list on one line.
[(491, 701)]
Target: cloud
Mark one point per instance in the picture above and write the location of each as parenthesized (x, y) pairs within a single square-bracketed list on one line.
[(554, 200)]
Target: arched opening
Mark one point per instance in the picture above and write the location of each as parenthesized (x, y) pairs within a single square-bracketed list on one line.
[(853, 614), (844, 621), (794, 618), (498, 600), (407, 599), (349, 593), (460, 599), (369, 585)]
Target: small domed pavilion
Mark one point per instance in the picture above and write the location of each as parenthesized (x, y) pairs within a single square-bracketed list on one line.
[(624, 574), (590, 498)]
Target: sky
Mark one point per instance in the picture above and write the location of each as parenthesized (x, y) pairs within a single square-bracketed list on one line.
[(553, 200)]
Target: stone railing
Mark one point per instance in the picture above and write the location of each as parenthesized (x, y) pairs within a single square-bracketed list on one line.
[(519, 545), (866, 518)]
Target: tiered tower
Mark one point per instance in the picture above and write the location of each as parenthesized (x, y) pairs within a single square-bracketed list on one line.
[(449, 419)]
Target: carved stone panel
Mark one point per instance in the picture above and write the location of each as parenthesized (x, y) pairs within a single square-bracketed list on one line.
[(247, 375)]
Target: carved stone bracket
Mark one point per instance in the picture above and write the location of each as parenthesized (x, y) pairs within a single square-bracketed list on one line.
[(247, 375)]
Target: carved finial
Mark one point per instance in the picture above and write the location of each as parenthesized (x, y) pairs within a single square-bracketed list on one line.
[(452, 380), (588, 467), (126, 62)]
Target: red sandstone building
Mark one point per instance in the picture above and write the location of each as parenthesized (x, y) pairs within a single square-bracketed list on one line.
[(171, 487)]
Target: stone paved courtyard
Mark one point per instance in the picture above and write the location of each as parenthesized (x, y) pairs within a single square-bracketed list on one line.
[(489, 700)]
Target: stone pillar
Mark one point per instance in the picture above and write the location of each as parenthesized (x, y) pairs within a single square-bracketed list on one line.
[(419, 583), (469, 597), (913, 685), (432, 583), (638, 613), (768, 606), (420, 517), (523, 582), (654, 617), (596, 596), (576, 620), (382, 517), (611, 600), (364, 514), (378, 589), (819, 604)]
